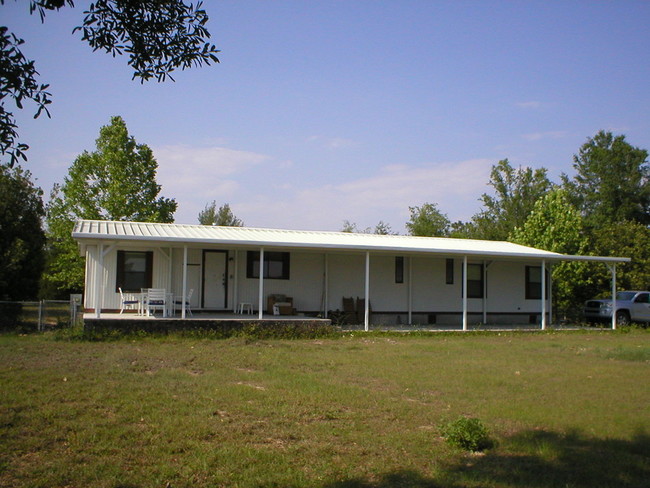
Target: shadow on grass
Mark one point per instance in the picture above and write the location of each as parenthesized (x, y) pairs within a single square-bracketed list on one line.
[(535, 459)]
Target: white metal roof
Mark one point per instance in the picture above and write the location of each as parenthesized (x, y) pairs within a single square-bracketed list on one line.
[(94, 230)]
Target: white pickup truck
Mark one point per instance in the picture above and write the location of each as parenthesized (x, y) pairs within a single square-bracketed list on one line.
[(631, 306)]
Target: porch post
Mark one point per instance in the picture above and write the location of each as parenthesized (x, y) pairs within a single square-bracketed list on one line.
[(366, 320), (261, 290), (410, 291), (235, 293), (171, 281), (484, 292), (464, 292), (326, 286), (550, 294), (613, 270), (543, 294), (184, 282), (99, 280)]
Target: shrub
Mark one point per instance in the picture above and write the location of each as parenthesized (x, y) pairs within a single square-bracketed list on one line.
[(467, 433)]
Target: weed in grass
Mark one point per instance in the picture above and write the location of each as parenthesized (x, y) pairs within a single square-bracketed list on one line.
[(469, 434)]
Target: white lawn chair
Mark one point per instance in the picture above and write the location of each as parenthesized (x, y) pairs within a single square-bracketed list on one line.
[(156, 300), (178, 302), (128, 301)]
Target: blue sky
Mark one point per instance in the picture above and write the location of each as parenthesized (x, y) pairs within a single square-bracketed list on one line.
[(326, 111)]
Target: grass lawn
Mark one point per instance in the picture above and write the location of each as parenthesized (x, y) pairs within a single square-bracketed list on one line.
[(565, 409)]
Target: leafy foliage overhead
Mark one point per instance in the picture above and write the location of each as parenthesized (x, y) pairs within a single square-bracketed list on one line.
[(158, 36), (17, 82)]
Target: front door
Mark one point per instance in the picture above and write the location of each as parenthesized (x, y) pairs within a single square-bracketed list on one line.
[(215, 280)]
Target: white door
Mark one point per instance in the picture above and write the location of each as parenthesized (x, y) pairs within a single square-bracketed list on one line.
[(215, 280)]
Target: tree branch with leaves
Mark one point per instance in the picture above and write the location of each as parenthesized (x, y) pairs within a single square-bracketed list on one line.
[(158, 36)]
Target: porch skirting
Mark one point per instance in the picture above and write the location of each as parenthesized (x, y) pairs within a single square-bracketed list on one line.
[(293, 327)]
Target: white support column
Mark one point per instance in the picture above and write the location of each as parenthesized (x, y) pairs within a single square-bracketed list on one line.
[(366, 319), (410, 291), (543, 294), (235, 293), (485, 265), (326, 285), (170, 269), (550, 294), (184, 282), (260, 298), (613, 270), (99, 280), (464, 292)]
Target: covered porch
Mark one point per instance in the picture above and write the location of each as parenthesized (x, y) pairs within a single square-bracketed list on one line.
[(419, 282)]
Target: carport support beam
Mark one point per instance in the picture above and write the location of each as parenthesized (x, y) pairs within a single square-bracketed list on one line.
[(184, 282), (464, 292), (326, 286), (410, 292), (612, 268), (543, 294), (366, 317)]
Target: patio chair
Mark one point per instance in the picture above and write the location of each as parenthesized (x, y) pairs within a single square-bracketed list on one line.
[(361, 310), (349, 315), (156, 300), (178, 302), (128, 301)]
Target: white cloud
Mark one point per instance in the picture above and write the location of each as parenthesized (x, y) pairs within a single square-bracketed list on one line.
[(385, 195), (195, 176), (536, 136), (214, 160), (531, 105), (332, 143)]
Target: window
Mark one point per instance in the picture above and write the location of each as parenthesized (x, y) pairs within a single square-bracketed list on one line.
[(534, 283), (474, 280), (450, 272), (276, 265), (134, 269), (399, 269)]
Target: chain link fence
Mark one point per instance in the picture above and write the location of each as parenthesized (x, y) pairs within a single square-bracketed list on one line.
[(40, 315)]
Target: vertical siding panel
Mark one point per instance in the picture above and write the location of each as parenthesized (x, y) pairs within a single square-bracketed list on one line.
[(91, 270), (385, 294), (347, 278)]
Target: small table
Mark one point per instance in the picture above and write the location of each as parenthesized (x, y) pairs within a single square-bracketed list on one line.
[(245, 306)]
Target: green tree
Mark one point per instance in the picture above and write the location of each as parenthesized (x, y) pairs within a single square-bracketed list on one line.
[(158, 36), (612, 181), (22, 239), (381, 228), (428, 221), (516, 191), (116, 182), (556, 225), (384, 229), (223, 216), (623, 239), (351, 227)]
